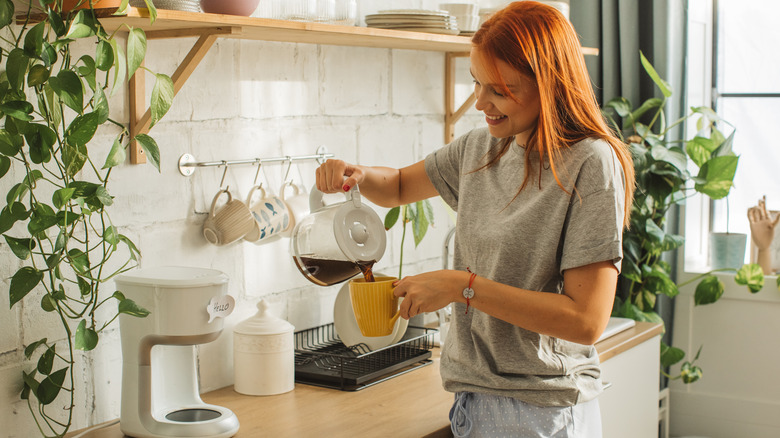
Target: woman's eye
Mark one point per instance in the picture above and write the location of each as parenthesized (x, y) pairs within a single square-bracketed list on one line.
[(498, 93)]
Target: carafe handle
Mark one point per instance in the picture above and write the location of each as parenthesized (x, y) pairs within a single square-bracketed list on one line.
[(316, 202)]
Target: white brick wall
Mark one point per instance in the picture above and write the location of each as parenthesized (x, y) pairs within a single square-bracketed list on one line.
[(246, 99)]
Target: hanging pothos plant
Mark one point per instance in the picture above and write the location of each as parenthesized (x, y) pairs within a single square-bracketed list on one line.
[(664, 180), (419, 214), (55, 219)]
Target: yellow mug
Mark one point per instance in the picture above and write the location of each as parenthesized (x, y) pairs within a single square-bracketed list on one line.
[(376, 308)]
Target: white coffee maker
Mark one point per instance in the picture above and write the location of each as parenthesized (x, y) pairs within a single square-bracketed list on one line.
[(160, 395)]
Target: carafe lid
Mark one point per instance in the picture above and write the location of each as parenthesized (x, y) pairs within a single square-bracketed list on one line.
[(263, 323), (360, 233)]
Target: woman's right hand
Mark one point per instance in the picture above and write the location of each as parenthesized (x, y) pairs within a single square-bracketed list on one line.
[(331, 176)]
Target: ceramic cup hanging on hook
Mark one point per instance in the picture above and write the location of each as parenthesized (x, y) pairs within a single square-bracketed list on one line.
[(271, 216)]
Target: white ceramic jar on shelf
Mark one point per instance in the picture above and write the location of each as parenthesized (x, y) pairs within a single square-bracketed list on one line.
[(263, 354)]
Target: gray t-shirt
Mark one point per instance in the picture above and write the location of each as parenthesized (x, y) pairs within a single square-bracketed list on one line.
[(527, 242)]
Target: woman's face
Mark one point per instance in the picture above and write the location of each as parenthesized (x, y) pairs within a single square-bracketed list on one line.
[(506, 117)]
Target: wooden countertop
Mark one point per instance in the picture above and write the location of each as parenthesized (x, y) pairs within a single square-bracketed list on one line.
[(410, 405)]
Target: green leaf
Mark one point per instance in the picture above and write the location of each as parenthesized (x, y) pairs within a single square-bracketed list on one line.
[(150, 147), (621, 105), (708, 291), (674, 156), (82, 26), (82, 129), (699, 149), (47, 303), (30, 384), (48, 54), (725, 148), (6, 13), (40, 138), (61, 197), (79, 261), (50, 387), (136, 50), (5, 165), (654, 232), (16, 68), (10, 144), (750, 275), (52, 105), (37, 76), (718, 173), (46, 361), (22, 248), (87, 71), (85, 288), (129, 307), (134, 252), (73, 157), (33, 40), (670, 355), (662, 84), (18, 109), (23, 281), (111, 236), (42, 219), (392, 217), (69, 89), (152, 11), (86, 338), (30, 349), (420, 223), (104, 56), (116, 156), (120, 67), (690, 373), (100, 106), (103, 196), (162, 97)]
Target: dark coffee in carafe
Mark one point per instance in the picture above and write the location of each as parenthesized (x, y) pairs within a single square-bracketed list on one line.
[(329, 272)]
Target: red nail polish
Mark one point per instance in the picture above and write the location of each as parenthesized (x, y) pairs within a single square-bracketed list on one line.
[(346, 188)]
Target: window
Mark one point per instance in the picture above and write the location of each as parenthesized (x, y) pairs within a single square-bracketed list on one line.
[(737, 42)]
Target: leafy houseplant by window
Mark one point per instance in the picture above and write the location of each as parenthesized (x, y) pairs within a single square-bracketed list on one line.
[(663, 181), (55, 219)]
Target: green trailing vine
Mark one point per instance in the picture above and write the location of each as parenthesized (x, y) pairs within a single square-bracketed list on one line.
[(56, 216)]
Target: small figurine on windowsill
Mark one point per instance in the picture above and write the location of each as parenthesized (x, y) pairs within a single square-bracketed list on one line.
[(762, 231)]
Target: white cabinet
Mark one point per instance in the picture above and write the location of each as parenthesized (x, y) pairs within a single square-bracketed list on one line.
[(629, 406)]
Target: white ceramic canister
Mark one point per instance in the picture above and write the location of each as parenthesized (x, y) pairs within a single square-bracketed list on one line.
[(263, 354)]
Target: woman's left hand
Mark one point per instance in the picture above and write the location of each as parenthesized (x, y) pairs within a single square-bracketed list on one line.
[(428, 292)]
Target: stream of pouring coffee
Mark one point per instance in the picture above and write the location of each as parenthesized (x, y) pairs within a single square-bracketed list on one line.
[(367, 270)]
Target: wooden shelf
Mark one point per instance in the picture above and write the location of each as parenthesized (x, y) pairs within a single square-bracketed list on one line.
[(208, 27), (180, 24)]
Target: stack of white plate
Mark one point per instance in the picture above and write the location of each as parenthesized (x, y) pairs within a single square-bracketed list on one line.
[(414, 20), (174, 5)]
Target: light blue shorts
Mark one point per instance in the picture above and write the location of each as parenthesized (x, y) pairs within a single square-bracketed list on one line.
[(488, 416)]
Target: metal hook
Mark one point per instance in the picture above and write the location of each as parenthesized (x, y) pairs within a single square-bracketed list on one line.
[(287, 172), (257, 174), (224, 173)]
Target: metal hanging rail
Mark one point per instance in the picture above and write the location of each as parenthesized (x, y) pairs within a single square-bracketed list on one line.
[(187, 162)]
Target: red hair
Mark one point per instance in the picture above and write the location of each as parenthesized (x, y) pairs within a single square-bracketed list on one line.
[(539, 42)]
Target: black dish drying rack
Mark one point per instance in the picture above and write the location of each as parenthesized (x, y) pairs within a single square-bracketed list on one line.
[(321, 358)]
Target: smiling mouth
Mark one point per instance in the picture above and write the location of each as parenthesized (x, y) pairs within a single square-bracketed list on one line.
[(494, 117)]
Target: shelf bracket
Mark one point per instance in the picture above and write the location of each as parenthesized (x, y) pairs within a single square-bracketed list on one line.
[(451, 115), (140, 121)]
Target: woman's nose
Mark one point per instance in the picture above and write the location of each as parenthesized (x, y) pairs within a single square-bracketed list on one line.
[(481, 102)]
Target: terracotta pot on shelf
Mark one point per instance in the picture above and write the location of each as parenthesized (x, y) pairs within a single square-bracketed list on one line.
[(229, 7), (68, 5)]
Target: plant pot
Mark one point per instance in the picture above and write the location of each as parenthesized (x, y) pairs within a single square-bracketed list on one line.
[(68, 5), (727, 250)]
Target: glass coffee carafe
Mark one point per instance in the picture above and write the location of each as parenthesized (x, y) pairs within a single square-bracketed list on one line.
[(338, 241)]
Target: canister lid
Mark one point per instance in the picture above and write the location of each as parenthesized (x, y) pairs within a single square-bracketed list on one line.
[(174, 276), (263, 323)]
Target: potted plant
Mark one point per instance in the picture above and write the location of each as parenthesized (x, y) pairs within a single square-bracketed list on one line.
[(56, 217), (664, 180), (419, 214)]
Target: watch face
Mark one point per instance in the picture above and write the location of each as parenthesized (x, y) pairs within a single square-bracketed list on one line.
[(468, 293)]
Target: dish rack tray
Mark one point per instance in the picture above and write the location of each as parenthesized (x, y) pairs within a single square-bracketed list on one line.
[(321, 358)]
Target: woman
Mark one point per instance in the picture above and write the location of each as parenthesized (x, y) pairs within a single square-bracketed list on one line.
[(542, 195)]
